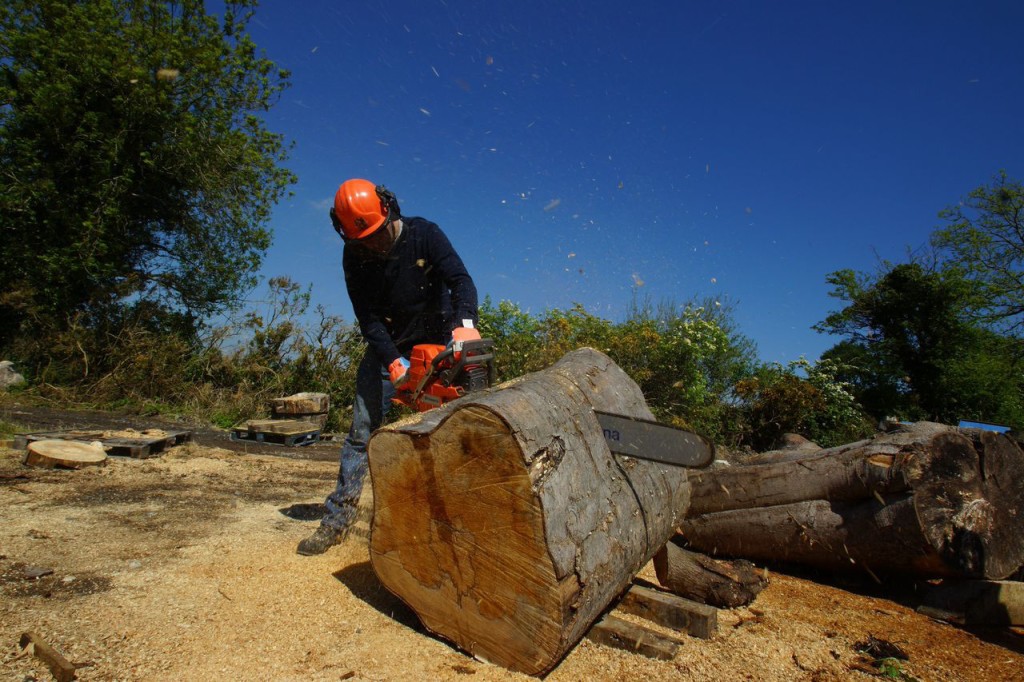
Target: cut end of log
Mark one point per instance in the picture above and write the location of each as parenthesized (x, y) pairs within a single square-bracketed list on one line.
[(459, 535), (969, 512)]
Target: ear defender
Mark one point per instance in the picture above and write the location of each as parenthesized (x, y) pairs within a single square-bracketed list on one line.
[(388, 203)]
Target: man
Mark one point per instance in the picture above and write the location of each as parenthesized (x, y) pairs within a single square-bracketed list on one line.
[(408, 286)]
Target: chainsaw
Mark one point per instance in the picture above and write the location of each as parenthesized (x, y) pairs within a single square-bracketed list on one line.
[(438, 374)]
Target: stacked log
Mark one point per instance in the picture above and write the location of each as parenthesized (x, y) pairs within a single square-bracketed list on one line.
[(927, 500), (504, 521), (305, 406)]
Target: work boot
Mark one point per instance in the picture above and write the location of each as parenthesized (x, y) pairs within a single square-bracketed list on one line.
[(319, 542)]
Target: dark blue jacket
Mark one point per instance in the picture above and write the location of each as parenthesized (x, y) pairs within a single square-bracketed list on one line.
[(418, 293)]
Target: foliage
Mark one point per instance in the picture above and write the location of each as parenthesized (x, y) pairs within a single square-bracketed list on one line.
[(516, 336), (892, 668), (984, 237), (819, 405), (914, 351), (287, 353), (224, 375), (136, 178), (685, 359)]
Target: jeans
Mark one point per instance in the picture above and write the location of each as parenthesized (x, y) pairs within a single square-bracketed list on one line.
[(373, 401)]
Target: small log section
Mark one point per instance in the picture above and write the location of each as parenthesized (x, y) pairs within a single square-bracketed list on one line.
[(504, 521), (49, 454), (927, 500), (703, 579), (61, 669)]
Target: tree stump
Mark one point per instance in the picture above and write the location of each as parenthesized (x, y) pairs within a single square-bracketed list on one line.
[(504, 521), (926, 500)]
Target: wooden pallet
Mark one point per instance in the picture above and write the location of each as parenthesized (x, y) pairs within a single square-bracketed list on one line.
[(302, 433), (142, 447), (662, 608)]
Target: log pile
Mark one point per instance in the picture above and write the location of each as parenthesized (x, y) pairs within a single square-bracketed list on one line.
[(927, 500), (504, 521)]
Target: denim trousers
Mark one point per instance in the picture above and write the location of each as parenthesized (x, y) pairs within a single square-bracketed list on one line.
[(373, 401)]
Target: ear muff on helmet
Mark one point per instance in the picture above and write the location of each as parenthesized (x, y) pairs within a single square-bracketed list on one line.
[(389, 203)]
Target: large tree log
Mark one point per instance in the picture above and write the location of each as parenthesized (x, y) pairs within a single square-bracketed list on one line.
[(504, 521), (927, 500)]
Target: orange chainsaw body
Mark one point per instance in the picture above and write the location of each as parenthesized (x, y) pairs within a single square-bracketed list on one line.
[(439, 374)]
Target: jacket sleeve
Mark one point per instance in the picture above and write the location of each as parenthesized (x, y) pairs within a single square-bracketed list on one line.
[(456, 278), (371, 325)]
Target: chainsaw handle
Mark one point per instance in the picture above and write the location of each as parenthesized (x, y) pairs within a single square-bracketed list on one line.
[(484, 354)]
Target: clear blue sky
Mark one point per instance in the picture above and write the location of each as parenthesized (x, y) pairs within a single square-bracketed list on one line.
[(590, 152)]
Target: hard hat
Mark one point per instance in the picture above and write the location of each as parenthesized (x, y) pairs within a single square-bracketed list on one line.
[(360, 207)]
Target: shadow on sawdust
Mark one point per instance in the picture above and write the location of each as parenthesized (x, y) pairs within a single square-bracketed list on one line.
[(366, 586), (305, 511)]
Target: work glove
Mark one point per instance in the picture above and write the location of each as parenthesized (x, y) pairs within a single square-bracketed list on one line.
[(398, 370)]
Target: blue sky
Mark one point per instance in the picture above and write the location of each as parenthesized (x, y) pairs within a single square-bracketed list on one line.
[(598, 152)]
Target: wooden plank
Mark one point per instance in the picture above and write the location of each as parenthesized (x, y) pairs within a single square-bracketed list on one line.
[(671, 611), (976, 602), (621, 634), (287, 427), (318, 420)]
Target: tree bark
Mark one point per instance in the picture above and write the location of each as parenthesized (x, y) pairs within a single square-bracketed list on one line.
[(928, 500), (504, 521)]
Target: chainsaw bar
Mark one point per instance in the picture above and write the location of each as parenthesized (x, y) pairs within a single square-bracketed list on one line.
[(645, 439)]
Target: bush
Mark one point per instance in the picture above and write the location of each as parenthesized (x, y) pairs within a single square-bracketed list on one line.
[(776, 400)]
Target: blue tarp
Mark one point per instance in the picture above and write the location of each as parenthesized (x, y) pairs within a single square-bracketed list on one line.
[(982, 425)]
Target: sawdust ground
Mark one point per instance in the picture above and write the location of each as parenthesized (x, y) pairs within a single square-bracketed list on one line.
[(184, 568)]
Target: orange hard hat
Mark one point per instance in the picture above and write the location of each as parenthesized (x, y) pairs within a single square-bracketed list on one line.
[(362, 207)]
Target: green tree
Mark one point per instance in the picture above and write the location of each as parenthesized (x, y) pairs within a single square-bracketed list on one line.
[(686, 360), (913, 349), (984, 238), (516, 336), (134, 165)]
